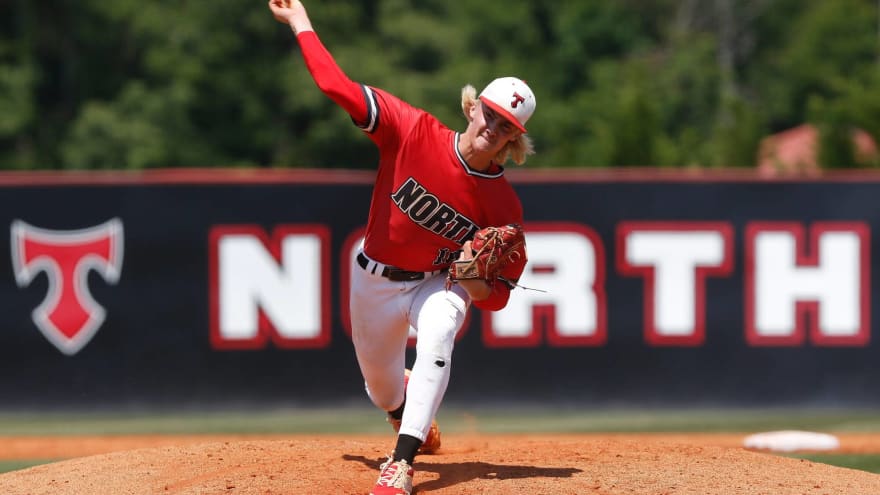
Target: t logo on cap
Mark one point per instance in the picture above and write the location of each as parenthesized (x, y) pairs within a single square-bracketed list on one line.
[(517, 99)]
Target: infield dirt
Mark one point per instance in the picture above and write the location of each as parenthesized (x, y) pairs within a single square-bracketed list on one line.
[(632, 464)]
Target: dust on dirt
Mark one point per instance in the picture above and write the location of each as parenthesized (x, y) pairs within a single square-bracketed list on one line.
[(642, 464)]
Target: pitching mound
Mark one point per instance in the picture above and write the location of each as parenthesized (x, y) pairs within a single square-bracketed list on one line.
[(488, 464)]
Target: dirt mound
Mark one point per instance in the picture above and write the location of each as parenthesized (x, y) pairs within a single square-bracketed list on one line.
[(467, 464)]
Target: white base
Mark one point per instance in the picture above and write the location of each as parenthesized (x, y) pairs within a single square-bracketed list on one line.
[(791, 440)]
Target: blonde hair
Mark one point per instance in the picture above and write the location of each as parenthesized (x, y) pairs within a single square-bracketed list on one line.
[(516, 150)]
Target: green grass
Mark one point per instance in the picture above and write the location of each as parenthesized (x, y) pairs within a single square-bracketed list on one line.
[(863, 462), (498, 419), (208, 422), (455, 419), (691, 420), (6, 466)]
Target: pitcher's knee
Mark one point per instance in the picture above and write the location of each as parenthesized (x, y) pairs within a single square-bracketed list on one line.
[(387, 401), (386, 405)]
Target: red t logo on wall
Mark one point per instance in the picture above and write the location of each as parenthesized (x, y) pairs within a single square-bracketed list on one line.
[(69, 317)]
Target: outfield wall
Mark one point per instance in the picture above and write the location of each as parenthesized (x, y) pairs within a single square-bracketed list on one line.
[(189, 287)]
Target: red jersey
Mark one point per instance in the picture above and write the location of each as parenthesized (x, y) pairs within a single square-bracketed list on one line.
[(426, 200)]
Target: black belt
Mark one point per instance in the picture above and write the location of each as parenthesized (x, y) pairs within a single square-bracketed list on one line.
[(390, 272)]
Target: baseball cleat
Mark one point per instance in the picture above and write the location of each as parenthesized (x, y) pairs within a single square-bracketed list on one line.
[(395, 478)]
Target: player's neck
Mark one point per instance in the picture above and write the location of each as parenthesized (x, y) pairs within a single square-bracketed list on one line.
[(477, 160)]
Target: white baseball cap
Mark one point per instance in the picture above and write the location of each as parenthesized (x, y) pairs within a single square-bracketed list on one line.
[(512, 98)]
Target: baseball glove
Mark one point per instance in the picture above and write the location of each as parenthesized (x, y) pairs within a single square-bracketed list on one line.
[(493, 249)]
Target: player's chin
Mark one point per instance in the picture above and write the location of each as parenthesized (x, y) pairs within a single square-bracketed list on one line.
[(482, 143)]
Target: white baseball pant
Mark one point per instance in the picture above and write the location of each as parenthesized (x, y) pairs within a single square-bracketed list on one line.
[(383, 312)]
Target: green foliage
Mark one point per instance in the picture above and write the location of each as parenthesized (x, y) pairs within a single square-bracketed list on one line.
[(852, 106), (17, 111), (16, 99), (132, 132), (736, 137), (672, 83), (835, 134)]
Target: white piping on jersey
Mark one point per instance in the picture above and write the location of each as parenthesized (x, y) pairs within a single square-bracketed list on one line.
[(372, 110), (373, 120), (467, 168)]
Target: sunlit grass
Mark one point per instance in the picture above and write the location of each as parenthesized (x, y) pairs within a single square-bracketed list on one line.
[(864, 462), (455, 419), (6, 466)]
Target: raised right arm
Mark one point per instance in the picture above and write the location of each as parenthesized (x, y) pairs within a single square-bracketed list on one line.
[(329, 77)]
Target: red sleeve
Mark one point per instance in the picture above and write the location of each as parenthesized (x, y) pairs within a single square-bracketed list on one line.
[(331, 79), (497, 299), (501, 288)]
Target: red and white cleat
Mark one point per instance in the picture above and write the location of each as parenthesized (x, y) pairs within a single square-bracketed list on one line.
[(395, 478)]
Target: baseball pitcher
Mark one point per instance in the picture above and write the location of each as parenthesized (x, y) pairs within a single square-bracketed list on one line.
[(443, 232)]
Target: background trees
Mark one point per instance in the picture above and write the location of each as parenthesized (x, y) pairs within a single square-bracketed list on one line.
[(673, 83)]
